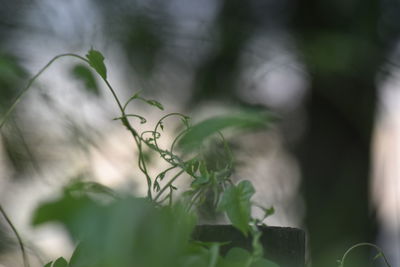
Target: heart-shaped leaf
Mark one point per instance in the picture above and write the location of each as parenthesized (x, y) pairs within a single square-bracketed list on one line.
[(60, 262), (236, 203), (96, 61)]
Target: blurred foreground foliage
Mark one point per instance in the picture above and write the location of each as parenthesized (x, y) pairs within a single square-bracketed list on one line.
[(121, 230)]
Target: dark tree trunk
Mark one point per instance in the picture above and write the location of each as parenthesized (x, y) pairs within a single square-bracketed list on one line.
[(341, 53)]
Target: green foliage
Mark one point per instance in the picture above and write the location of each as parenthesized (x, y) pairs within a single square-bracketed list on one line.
[(96, 61), (196, 135), (241, 257), (132, 231), (155, 103), (380, 254), (127, 231), (60, 262), (236, 203), (121, 230)]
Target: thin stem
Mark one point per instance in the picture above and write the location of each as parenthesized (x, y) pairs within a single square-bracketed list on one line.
[(165, 198), (171, 149), (114, 95), (194, 198), (142, 120), (168, 184), (125, 122), (159, 123), (364, 244), (29, 84), (164, 172), (135, 96), (143, 168), (21, 244)]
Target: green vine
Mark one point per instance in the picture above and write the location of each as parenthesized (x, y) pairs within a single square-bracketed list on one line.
[(19, 239), (365, 244)]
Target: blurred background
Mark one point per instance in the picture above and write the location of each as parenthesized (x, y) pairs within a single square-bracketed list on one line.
[(327, 69)]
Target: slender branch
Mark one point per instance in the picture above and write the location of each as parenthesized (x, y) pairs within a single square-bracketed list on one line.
[(125, 122), (194, 198), (114, 95), (168, 184), (29, 84), (364, 244), (21, 244), (143, 168), (159, 123)]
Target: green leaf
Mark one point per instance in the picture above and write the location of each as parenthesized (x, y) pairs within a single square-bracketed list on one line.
[(161, 176), (241, 257), (237, 254), (269, 211), (186, 121), (96, 61), (80, 187), (156, 186), (236, 203), (236, 257), (196, 166), (122, 232), (48, 264), (203, 169), (155, 103), (65, 210), (60, 262), (199, 181), (195, 135), (81, 257), (196, 256), (135, 95), (264, 263), (84, 74)]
